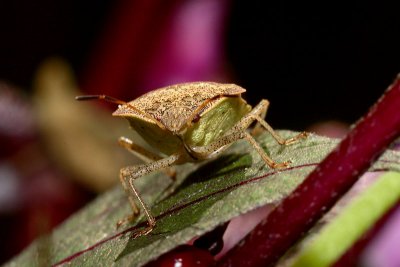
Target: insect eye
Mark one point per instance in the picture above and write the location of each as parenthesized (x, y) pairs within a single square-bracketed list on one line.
[(196, 118)]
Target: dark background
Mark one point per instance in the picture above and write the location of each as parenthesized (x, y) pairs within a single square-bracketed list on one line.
[(316, 61), (312, 61)]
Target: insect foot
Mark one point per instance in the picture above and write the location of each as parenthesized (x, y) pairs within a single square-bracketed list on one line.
[(290, 141), (295, 139), (280, 165), (145, 231)]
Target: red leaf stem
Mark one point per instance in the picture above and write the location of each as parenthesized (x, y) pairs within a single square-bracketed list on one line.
[(334, 176)]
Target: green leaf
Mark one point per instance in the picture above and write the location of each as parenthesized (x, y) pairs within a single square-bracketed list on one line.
[(204, 196)]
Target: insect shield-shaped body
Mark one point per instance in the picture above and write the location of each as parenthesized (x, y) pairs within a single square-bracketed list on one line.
[(184, 116), (187, 122)]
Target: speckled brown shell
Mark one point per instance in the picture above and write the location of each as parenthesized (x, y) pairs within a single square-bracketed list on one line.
[(174, 105)]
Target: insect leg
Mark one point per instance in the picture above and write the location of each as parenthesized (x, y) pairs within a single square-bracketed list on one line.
[(258, 113), (262, 111), (137, 150), (238, 131), (127, 177), (264, 155), (144, 154), (220, 144), (134, 207), (277, 137)]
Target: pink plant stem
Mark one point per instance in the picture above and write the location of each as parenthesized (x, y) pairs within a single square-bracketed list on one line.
[(334, 176)]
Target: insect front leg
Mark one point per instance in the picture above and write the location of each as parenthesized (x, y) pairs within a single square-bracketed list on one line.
[(238, 131), (258, 114), (218, 146), (144, 154), (128, 175), (261, 109)]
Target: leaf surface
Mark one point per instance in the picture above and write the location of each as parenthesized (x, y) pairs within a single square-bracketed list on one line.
[(203, 197)]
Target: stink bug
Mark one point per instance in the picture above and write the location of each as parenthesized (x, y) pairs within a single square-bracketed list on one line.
[(187, 122)]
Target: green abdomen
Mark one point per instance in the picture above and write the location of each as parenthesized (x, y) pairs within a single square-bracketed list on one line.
[(216, 121), (162, 140)]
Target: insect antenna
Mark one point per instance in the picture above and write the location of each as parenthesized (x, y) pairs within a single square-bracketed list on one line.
[(101, 97)]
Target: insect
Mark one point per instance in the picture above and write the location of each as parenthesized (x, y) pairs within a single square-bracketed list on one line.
[(187, 122)]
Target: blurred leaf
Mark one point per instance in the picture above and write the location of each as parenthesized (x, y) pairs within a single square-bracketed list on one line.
[(80, 137), (204, 196)]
